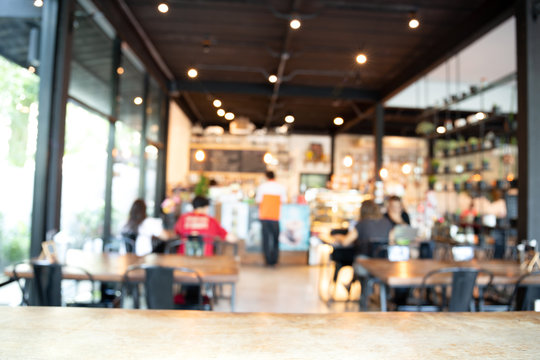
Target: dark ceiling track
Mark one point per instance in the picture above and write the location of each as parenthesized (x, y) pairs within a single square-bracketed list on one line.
[(262, 89), (281, 68)]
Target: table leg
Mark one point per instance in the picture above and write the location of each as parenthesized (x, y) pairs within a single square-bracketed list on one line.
[(364, 296), (382, 294), (233, 296)]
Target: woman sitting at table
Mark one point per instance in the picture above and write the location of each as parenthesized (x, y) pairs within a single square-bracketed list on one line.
[(371, 230), (141, 228)]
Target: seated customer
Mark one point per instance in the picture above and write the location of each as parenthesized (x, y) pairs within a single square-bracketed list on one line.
[(199, 223), (141, 228), (395, 213), (370, 231)]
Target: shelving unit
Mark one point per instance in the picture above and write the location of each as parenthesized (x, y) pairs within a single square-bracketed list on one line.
[(473, 175)]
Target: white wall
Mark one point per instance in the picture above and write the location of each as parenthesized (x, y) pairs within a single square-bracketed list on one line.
[(178, 146)]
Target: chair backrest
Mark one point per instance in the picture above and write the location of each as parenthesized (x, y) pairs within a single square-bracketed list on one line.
[(158, 284), (524, 294), (118, 242), (46, 287), (193, 245), (462, 286)]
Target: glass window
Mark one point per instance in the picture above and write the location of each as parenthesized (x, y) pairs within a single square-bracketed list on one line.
[(151, 155), (19, 89), (153, 109), (126, 167), (84, 172), (125, 173), (91, 64)]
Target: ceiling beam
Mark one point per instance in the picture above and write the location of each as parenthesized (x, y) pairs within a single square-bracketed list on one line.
[(486, 17), (263, 89), (130, 31), (281, 68)]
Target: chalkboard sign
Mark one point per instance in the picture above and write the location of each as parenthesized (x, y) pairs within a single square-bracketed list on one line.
[(229, 161)]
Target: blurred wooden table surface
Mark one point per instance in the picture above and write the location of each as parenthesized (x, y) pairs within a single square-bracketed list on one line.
[(82, 333), (111, 266), (411, 272)]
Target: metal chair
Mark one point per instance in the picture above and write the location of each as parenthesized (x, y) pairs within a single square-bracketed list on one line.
[(522, 298), (46, 285), (462, 290), (119, 242), (158, 285), (194, 246)]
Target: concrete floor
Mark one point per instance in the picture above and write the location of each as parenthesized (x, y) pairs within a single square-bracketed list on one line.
[(282, 289)]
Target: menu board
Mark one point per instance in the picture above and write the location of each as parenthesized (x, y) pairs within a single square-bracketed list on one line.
[(229, 161)]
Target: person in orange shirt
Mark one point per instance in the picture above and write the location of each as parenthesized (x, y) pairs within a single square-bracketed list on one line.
[(270, 195)]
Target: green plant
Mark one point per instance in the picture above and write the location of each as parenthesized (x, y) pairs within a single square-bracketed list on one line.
[(432, 179), (202, 187), (452, 144), (473, 141)]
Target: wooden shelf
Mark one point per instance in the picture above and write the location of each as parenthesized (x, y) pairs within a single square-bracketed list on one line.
[(500, 120)]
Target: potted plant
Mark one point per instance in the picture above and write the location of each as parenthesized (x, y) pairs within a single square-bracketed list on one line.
[(501, 184), (473, 143), (432, 179), (462, 144), (457, 184), (440, 147), (485, 164), (435, 166), (469, 166), (481, 185), (452, 146)]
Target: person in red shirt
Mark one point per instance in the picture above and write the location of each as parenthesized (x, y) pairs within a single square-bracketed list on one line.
[(199, 223)]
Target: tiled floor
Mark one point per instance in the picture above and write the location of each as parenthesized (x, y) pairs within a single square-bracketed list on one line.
[(282, 289)]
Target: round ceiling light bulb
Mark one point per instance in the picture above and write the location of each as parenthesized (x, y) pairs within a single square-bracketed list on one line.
[(361, 58), (221, 112), (480, 116), (383, 173), (338, 121), (217, 103), (441, 130), (120, 70), (38, 3), (192, 73), (295, 24), (406, 169), (272, 78), (414, 23), (348, 161), (163, 8), (138, 100), (289, 119), (268, 158), (32, 69), (229, 116), (199, 155)]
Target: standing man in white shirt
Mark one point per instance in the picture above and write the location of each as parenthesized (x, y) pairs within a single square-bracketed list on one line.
[(270, 196)]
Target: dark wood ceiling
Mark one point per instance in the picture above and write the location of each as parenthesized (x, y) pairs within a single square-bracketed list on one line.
[(236, 44)]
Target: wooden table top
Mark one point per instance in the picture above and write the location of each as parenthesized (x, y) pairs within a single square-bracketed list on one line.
[(65, 333), (411, 272), (112, 266)]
